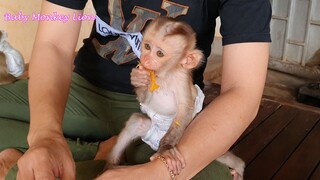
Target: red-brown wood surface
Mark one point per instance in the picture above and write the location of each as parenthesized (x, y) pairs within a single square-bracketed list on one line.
[(304, 160), (267, 108), (270, 160), (316, 174), (282, 142), (255, 142)]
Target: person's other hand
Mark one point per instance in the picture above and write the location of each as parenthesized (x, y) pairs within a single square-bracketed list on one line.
[(47, 158)]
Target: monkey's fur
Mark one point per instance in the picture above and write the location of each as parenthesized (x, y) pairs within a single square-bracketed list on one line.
[(169, 51)]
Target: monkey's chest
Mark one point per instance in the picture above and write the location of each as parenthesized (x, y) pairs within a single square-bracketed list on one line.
[(161, 102)]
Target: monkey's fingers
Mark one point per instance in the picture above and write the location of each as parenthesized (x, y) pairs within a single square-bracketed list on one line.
[(139, 79), (174, 164), (180, 161), (179, 156), (138, 84), (140, 67), (171, 162), (154, 156)]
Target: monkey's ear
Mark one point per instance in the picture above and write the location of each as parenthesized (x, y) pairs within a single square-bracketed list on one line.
[(193, 59)]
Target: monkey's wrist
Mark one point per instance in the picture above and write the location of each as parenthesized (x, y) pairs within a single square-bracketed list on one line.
[(172, 175)]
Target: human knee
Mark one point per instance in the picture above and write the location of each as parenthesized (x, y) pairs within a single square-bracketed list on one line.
[(4, 166)]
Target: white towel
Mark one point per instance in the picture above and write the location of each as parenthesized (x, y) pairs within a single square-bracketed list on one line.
[(14, 59)]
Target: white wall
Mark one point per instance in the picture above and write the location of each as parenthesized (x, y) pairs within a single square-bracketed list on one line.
[(21, 35)]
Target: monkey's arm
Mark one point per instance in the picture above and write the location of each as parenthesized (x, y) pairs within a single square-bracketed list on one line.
[(185, 107), (49, 81), (140, 79)]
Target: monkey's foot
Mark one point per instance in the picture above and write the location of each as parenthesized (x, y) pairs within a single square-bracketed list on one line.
[(105, 148), (236, 175), (112, 161), (8, 158)]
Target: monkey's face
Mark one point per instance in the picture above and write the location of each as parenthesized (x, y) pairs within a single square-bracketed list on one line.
[(152, 56), (159, 54)]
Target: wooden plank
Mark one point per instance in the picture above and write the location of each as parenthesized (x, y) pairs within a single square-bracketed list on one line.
[(294, 69), (211, 91), (266, 109), (269, 161), (294, 104), (304, 160), (251, 145), (316, 174)]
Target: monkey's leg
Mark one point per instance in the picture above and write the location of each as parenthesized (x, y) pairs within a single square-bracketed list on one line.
[(236, 164), (137, 126)]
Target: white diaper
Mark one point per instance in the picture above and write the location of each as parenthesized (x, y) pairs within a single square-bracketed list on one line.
[(14, 59), (160, 123)]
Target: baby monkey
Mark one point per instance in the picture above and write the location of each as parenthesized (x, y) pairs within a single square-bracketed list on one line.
[(171, 100)]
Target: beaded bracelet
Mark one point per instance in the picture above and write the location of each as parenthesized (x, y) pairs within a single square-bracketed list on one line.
[(165, 162)]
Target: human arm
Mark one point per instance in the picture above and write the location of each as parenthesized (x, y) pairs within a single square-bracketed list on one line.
[(220, 124), (49, 80)]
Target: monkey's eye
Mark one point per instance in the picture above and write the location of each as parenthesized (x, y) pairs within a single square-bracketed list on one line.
[(147, 46), (160, 54)]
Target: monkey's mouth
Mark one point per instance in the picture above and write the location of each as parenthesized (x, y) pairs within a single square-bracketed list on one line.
[(140, 64), (153, 85)]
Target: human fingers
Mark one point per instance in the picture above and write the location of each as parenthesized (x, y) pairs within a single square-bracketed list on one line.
[(47, 159), (69, 170), (34, 164), (66, 165), (47, 168), (26, 173)]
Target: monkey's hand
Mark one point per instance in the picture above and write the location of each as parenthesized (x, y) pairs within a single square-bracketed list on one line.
[(140, 77), (173, 158)]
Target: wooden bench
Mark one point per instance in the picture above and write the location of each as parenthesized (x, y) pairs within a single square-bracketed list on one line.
[(283, 141)]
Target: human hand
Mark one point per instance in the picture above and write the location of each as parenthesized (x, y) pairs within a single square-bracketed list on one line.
[(140, 77), (47, 158), (172, 158)]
